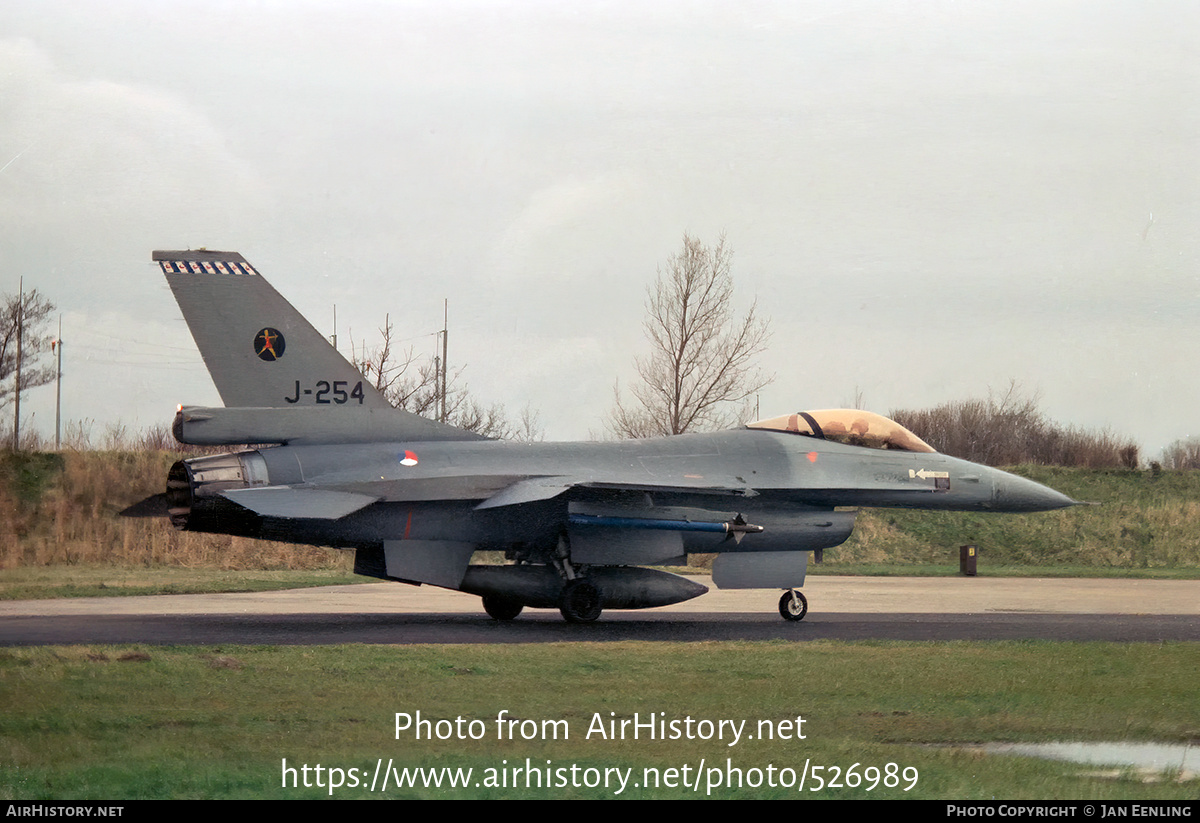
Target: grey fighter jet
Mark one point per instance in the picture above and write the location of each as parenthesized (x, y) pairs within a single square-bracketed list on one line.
[(415, 499)]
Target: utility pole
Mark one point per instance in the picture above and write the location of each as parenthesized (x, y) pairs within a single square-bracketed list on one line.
[(17, 387), (56, 346), (445, 345)]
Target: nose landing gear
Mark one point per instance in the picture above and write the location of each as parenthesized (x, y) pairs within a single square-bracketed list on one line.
[(793, 605)]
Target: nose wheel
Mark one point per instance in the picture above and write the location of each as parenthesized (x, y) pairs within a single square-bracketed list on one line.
[(793, 606)]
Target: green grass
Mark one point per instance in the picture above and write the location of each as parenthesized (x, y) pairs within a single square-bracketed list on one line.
[(1144, 521), (92, 580), (29, 475), (151, 722)]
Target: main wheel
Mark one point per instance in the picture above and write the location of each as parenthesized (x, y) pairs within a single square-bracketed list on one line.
[(793, 606), (502, 608), (580, 601)]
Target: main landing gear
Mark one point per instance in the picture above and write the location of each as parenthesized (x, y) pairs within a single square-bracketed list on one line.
[(558, 583), (502, 608), (581, 601), (793, 605)]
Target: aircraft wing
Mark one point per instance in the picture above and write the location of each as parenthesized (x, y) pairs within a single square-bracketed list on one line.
[(330, 504), (546, 488)]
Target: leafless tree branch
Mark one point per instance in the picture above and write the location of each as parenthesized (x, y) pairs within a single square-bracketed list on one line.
[(33, 315), (700, 370), (412, 384)]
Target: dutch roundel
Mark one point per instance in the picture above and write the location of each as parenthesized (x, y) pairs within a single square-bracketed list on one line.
[(409, 458)]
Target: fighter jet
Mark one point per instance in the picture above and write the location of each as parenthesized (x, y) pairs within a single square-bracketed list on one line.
[(336, 465)]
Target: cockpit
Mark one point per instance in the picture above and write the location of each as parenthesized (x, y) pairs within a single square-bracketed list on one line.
[(853, 427)]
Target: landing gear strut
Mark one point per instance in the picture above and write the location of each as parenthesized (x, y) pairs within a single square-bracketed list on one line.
[(793, 605), (581, 601)]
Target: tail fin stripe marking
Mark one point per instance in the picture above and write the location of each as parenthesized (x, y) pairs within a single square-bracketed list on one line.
[(221, 267)]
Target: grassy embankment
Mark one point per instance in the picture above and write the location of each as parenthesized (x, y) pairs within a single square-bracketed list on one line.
[(60, 533), (1147, 522), (153, 722), (140, 721)]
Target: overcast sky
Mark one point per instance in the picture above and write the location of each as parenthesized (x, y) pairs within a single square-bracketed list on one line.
[(929, 199)]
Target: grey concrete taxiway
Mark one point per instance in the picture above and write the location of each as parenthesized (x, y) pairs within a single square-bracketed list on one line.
[(956, 608)]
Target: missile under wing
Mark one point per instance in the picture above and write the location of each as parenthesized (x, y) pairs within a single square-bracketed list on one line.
[(578, 522)]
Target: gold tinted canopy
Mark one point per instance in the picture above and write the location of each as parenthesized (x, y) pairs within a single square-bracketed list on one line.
[(853, 427)]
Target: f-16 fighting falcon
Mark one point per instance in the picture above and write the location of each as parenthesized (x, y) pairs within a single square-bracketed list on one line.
[(579, 522)]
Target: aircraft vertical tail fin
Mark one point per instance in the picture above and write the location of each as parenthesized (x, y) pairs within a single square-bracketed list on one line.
[(263, 354), (259, 350)]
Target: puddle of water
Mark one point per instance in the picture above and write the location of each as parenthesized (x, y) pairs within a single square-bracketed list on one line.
[(1156, 757)]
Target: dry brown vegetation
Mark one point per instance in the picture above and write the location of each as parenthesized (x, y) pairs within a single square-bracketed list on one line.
[(1010, 430), (64, 509)]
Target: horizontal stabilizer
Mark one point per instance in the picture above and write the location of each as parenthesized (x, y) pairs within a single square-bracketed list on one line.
[(284, 501), (201, 426)]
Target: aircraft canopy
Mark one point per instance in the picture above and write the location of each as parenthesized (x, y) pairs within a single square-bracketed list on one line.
[(851, 426)]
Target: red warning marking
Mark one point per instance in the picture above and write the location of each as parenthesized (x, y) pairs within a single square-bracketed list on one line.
[(812, 457)]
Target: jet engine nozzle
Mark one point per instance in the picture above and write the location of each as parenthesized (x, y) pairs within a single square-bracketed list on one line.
[(194, 487)]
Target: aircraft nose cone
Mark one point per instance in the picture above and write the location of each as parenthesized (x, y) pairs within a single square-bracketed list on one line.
[(1019, 494)]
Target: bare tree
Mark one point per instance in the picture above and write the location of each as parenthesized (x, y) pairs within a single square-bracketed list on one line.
[(529, 428), (413, 384), (700, 374), (1183, 454), (404, 382), (29, 316)]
